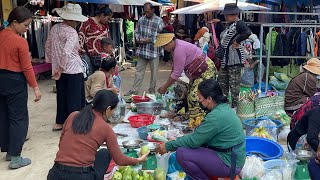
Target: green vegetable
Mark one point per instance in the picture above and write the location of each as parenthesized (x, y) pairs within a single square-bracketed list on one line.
[(159, 138), (159, 174), (117, 176), (144, 150)]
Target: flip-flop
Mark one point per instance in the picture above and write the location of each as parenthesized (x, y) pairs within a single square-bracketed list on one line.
[(56, 129)]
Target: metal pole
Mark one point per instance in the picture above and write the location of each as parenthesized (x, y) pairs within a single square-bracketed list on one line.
[(260, 58), (268, 57)]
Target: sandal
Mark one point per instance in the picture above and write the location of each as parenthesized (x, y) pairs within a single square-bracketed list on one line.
[(56, 127)]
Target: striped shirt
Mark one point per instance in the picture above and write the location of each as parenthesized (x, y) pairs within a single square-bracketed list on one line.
[(237, 31), (148, 28)]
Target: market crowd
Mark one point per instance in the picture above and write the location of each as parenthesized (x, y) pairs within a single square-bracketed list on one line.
[(84, 67)]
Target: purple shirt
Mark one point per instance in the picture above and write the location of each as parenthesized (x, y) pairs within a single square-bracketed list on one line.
[(183, 54)]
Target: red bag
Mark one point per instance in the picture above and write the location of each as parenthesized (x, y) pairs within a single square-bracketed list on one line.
[(212, 49)]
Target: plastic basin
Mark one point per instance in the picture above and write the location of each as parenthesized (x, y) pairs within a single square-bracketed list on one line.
[(269, 149), (143, 132), (138, 99)]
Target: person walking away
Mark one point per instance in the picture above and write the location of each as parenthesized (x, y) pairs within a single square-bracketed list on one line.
[(90, 33), (79, 156), (101, 79), (230, 72), (62, 50), (15, 73), (146, 32)]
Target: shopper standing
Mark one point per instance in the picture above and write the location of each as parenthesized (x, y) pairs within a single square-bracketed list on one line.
[(15, 73), (91, 32), (146, 32), (235, 32), (62, 50)]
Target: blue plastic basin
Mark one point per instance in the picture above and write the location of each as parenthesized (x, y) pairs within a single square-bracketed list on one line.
[(266, 147), (143, 132)]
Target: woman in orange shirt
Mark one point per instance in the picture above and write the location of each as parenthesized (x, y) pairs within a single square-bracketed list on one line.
[(15, 72)]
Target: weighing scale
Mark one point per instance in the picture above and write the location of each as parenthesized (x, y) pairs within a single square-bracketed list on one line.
[(151, 163), (302, 171), (130, 147)]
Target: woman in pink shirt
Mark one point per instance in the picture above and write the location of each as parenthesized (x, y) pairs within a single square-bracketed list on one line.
[(189, 58), (62, 50)]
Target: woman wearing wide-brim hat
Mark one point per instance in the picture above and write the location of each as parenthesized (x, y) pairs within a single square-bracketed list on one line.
[(189, 58), (303, 86), (62, 50), (233, 57)]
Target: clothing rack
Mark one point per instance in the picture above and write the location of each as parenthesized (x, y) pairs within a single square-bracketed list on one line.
[(49, 18), (268, 56)]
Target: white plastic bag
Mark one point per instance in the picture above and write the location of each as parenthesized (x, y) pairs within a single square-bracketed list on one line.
[(282, 137), (163, 161), (272, 175), (253, 168), (177, 175)]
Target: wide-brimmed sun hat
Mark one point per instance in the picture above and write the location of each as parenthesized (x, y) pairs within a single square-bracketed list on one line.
[(72, 12), (313, 66), (163, 39), (230, 8)]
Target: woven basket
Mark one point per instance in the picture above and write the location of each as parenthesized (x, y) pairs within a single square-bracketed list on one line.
[(245, 109), (268, 106)]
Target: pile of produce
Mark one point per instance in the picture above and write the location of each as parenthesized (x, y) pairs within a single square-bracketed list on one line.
[(261, 132), (127, 173), (283, 117)]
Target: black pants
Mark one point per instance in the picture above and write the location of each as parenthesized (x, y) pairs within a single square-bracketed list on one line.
[(100, 167), (70, 95), (14, 119)]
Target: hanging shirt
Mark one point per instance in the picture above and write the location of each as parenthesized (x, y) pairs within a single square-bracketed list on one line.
[(148, 28), (90, 34), (62, 49)]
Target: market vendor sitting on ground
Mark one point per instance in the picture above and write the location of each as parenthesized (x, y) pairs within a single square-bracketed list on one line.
[(217, 146), (189, 58), (303, 86), (101, 79), (82, 135)]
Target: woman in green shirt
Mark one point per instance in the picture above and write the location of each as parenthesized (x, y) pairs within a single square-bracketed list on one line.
[(217, 146)]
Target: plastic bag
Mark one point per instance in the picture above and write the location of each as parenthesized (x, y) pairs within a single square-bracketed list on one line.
[(116, 116), (248, 77), (278, 84), (163, 161), (283, 117), (289, 169), (253, 168), (272, 175), (271, 131), (177, 175), (282, 137)]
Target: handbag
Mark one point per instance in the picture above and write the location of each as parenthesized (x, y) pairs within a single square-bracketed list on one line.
[(211, 51), (95, 61), (197, 67)]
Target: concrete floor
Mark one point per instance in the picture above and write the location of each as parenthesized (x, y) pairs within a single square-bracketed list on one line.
[(43, 143)]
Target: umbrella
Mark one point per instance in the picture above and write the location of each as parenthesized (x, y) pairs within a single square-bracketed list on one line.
[(120, 2), (216, 5)]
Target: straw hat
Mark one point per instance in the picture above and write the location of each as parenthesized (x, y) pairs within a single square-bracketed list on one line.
[(230, 8), (313, 66), (72, 12), (163, 39)]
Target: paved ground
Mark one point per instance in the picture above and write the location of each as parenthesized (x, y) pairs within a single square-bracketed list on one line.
[(43, 143)]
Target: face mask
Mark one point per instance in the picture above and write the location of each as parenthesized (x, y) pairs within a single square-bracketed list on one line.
[(205, 109)]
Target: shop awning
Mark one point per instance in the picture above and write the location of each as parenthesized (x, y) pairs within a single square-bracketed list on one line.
[(119, 2), (217, 5)]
